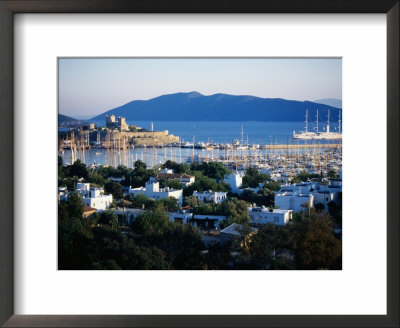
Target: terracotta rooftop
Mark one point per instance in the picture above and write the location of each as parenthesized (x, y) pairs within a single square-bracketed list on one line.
[(88, 209)]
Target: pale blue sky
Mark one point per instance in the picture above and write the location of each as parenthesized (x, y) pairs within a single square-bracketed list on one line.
[(88, 87)]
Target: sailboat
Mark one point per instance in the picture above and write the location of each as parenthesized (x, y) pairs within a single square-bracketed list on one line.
[(319, 135), (305, 134), (328, 134)]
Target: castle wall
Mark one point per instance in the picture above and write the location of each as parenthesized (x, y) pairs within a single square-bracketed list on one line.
[(155, 138)]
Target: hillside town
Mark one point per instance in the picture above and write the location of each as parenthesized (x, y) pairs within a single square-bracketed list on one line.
[(222, 217)]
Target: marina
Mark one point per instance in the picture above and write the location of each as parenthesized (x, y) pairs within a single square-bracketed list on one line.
[(289, 159), (99, 146)]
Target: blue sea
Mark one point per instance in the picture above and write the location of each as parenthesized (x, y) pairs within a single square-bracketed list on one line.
[(262, 133), (254, 132)]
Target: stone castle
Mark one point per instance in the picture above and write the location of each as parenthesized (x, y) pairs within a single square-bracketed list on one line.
[(121, 125), (138, 137)]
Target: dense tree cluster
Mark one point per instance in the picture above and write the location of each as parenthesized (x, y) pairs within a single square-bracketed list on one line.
[(204, 183), (177, 167), (308, 244), (236, 211), (213, 170), (170, 183), (264, 185), (304, 176), (100, 242), (141, 201), (253, 178), (103, 241)]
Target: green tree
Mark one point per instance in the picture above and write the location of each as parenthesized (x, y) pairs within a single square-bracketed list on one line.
[(213, 170), (235, 210), (264, 197), (74, 236), (139, 165), (113, 188), (169, 204), (78, 169), (142, 201), (203, 183), (74, 206), (107, 217), (332, 174), (319, 207), (170, 183), (335, 211), (191, 201), (315, 244), (177, 167), (253, 178)]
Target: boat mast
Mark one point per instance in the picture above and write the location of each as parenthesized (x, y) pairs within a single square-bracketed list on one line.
[(327, 127), (317, 120), (306, 120), (340, 121), (193, 151)]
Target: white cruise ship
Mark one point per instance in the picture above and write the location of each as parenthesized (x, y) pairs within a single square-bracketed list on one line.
[(327, 135)]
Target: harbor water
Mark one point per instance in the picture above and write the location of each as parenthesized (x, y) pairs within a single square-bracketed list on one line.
[(249, 133), (254, 132)]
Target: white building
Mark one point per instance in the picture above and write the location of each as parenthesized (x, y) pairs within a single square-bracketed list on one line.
[(279, 176), (295, 201), (94, 197), (197, 220), (334, 186), (153, 191), (323, 197), (207, 221), (335, 182), (306, 194), (210, 196), (82, 188), (167, 171), (234, 180), (263, 215), (182, 217), (62, 194)]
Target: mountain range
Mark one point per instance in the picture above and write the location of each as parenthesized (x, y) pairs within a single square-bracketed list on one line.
[(66, 119), (330, 102), (194, 106)]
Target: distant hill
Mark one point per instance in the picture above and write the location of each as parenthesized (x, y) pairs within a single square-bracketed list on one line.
[(66, 119), (194, 106), (330, 102)]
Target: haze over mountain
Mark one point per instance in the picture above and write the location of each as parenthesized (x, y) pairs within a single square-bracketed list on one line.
[(194, 106), (330, 102), (66, 119)]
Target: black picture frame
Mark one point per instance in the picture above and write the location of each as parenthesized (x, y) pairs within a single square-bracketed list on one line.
[(7, 10)]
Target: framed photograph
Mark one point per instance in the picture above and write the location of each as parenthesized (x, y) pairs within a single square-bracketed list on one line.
[(199, 164)]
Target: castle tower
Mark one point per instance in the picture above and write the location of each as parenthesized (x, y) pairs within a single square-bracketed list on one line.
[(110, 120), (122, 124)]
